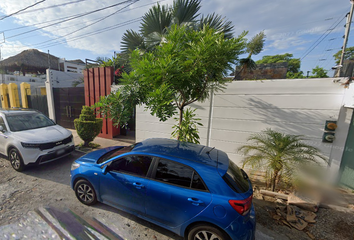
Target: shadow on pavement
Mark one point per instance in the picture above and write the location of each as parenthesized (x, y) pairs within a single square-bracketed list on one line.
[(57, 171)]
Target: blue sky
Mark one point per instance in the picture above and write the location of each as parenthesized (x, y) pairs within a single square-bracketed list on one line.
[(309, 29)]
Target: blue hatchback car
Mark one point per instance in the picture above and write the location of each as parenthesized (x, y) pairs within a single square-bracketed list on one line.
[(190, 189)]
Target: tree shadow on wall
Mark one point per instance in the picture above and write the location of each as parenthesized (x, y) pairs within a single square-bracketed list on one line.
[(309, 122)]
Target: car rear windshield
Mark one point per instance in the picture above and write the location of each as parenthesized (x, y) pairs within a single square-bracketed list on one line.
[(236, 178), (116, 152), (27, 121)]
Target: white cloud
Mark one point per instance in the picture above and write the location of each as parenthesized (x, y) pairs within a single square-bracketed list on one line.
[(9, 49)]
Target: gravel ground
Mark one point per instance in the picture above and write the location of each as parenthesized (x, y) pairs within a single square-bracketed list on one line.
[(330, 224)]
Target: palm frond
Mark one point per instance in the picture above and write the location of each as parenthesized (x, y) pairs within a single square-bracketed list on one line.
[(158, 19), (185, 11), (280, 153), (153, 39), (248, 63), (132, 40), (256, 44), (218, 23)]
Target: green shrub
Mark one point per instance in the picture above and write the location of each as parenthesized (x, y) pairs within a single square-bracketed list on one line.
[(87, 125), (280, 155), (187, 131)]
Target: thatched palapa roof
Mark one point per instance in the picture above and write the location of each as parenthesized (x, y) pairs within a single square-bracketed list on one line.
[(30, 61)]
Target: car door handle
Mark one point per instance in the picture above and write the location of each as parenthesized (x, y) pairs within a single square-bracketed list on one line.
[(195, 201), (138, 185)]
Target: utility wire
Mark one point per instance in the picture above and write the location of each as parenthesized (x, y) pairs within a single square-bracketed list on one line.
[(324, 35), (58, 19), (318, 39), (38, 24), (23, 9), (71, 18), (95, 32), (115, 26), (43, 8), (101, 19)]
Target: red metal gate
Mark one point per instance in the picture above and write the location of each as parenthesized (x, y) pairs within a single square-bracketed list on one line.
[(98, 83)]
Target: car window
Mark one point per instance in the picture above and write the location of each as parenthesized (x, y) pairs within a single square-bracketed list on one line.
[(133, 164), (178, 174), (197, 182), (2, 123), (26, 121), (236, 179), (116, 152)]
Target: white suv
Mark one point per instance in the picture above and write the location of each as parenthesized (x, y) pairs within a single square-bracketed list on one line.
[(29, 137)]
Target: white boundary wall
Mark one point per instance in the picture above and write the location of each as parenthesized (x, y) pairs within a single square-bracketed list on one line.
[(299, 106)]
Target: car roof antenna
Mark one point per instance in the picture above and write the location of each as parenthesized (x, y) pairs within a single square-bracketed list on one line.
[(208, 152)]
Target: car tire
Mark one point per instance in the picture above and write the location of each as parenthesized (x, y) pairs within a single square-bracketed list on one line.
[(16, 160), (85, 192), (206, 232)]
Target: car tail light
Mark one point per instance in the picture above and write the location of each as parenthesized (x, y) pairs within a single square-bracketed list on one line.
[(242, 206)]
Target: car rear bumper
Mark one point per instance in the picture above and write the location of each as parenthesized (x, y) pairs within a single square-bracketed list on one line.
[(246, 231)]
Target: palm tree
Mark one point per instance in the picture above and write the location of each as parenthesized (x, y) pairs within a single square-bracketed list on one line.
[(158, 20), (254, 47), (278, 153)]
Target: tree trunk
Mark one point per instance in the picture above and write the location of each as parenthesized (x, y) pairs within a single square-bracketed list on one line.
[(274, 178), (86, 143), (180, 120), (238, 73)]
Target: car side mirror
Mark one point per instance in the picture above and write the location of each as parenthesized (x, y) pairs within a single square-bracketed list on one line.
[(2, 129), (105, 170)]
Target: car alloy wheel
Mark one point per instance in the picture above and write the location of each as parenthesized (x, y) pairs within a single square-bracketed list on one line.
[(205, 232), (16, 160), (85, 192), (206, 235)]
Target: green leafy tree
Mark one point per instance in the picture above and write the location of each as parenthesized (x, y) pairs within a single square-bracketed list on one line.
[(278, 154), (87, 125), (349, 54), (293, 64), (180, 71), (187, 131), (254, 47), (159, 19), (297, 75), (119, 105), (319, 72)]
